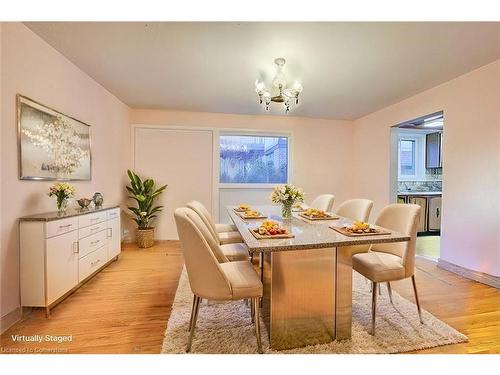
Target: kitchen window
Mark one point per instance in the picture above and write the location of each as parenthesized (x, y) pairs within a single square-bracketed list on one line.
[(407, 157), (253, 159)]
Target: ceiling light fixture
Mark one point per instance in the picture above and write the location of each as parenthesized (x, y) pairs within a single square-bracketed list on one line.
[(433, 124), (285, 95)]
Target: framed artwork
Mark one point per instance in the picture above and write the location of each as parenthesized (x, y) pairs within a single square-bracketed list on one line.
[(52, 145)]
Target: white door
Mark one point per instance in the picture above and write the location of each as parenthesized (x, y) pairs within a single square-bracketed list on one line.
[(114, 240), (62, 265), (183, 160)]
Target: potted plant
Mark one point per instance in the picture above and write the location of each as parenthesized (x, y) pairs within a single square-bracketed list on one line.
[(144, 194)]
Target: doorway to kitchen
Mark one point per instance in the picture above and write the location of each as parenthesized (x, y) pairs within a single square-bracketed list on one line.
[(416, 176)]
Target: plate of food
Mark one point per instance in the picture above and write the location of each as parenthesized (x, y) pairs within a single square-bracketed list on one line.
[(251, 214), (270, 229), (359, 228), (242, 208), (315, 214), (297, 207)]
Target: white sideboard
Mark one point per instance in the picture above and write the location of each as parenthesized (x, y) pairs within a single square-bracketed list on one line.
[(59, 253)]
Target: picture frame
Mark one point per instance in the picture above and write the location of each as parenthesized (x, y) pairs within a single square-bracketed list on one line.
[(52, 146)]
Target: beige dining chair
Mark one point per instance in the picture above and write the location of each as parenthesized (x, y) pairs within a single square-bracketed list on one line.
[(212, 280), (355, 209), (224, 253), (218, 230), (323, 202), (391, 261)]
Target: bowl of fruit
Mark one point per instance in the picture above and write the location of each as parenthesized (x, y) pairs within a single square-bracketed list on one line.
[(270, 229)]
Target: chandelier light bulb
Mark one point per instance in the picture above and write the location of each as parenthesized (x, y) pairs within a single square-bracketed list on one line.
[(259, 87), (297, 87)]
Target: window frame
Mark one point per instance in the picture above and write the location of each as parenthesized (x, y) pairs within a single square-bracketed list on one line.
[(414, 157), (419, 140), (250, 185)]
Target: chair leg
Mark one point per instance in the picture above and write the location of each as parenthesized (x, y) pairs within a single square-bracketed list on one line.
[(389, 290), (256, 303), (416, 299), (192, 313), (374, 305), (196, 308), (252, 311), (379, 289)]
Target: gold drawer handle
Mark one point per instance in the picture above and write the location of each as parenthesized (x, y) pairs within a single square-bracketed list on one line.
[(94, 263), (65, 226), (93, 243)]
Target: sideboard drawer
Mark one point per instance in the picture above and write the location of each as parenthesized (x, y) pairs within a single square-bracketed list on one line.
[(91, 219), (113, 214), (93, 229), (91, 263), (58, 227), (89, 244)]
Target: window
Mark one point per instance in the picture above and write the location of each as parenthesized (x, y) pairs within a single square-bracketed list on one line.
[(407, 157), (253, 159)]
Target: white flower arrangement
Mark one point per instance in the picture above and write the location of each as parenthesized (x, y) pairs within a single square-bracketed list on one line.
[(287, 194)]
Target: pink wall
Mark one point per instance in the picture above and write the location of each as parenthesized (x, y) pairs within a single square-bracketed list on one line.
[(321, 148), (471, 163), (32, 68)]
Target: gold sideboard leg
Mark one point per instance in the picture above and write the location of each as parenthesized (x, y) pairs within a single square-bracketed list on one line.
[(47, 312), (343, 305)]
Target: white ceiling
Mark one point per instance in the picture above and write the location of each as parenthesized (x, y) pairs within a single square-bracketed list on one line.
[(347, 69)]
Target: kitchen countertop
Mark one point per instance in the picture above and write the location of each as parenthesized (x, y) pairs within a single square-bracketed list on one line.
[(308, 235), (54, 215), (416, 192)]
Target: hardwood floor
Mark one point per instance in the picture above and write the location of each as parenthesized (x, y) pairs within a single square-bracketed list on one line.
[(429, 246), (125, 308)]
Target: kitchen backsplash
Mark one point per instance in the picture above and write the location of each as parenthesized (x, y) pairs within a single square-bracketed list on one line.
[(435, 185)]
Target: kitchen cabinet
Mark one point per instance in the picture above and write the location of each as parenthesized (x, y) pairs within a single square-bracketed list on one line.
[(434, 218), (59, 253), (430, 214), (433, 150), (422, 202)]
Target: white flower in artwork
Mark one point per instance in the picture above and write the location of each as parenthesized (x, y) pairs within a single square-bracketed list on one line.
[(61, 143)]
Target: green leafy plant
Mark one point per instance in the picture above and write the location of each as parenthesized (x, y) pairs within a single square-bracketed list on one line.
[(144, 194)]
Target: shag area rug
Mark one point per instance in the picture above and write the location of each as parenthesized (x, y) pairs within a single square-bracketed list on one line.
[(227, 327)]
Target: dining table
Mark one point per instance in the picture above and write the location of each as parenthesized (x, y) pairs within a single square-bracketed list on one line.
[(307, 279)]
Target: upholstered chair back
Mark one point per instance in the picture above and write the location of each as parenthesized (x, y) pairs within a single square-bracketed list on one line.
[(323, 202), (208, 236), (355, 209), (201, 210), (402, 218), (206, 278)]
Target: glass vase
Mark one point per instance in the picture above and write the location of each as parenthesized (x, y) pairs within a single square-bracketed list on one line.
[(286, 210), (62, 204)]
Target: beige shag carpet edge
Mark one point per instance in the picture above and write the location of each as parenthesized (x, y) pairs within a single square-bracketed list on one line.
[(226, 328)]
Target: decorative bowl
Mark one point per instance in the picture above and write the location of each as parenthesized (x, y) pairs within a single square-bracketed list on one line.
[(84, 202)]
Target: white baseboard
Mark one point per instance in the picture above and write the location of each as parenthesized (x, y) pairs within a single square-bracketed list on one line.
[(470, 274), (9, 319)]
